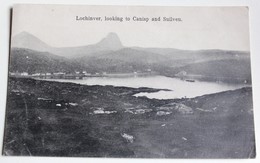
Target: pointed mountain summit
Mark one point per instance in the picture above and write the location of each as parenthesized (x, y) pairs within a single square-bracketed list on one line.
[(26, 40), (29, 41), (111, 41)]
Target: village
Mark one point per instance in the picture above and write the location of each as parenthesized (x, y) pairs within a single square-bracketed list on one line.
[(78, 74)]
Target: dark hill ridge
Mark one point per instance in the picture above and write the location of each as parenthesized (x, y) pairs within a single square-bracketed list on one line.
[(26, 60), (228, 70), (237, 68), (196, 55), (130, 55), (128, 61)]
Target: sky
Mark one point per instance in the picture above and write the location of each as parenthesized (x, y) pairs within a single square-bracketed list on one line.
[(200, 27)]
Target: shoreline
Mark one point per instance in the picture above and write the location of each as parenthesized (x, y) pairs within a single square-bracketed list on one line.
[(67, 119)]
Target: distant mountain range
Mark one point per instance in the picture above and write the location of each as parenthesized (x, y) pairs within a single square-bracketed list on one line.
[(26, 40), (30, 54)]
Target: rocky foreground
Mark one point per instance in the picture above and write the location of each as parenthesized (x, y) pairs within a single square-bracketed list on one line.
[(46, 118)]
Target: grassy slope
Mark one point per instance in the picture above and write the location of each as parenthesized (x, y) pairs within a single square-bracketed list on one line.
[(26, 60), (40, 127), (229, 70)]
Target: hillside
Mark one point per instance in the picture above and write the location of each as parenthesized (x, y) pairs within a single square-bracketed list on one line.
[(26, 60), (46, 118), (195, 55), (222, 70), (125, 60)]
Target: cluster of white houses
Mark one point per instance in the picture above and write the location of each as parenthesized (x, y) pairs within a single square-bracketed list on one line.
[(77, 74), (58, 75)]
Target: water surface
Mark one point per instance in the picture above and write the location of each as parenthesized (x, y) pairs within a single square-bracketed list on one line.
[(179, 88)]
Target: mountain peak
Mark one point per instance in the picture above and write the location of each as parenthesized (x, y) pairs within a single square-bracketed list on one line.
[(111, 41), (112, 35), (29, 41), (24, 33)]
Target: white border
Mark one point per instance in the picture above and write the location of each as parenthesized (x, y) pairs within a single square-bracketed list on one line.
[(254, 10)]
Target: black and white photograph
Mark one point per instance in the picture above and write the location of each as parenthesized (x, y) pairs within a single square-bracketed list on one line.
[(129, 82)]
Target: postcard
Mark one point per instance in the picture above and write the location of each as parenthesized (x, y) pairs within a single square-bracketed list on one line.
[(129, 82)]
